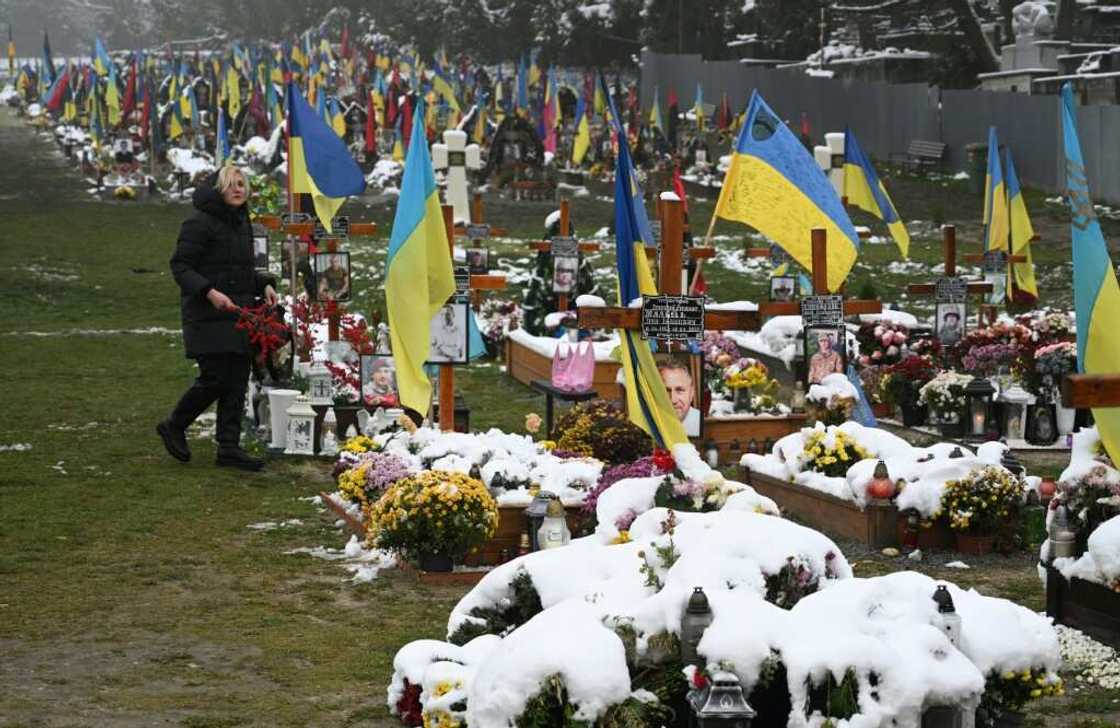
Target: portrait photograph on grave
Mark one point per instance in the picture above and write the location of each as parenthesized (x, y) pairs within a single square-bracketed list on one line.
[(949, 323), (448, 338), (783, 288), (332, 276), (824, 352), (260, 252), (478, 260), (379, 381), (683, 376), (564, 271)]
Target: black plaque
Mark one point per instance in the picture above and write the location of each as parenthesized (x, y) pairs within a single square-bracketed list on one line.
[(456, 159), (462, 279), (822, 310), (995, 261), (673, 318), (340, 226), (291, 218), (565, 247), (478, 232), (951, 289)]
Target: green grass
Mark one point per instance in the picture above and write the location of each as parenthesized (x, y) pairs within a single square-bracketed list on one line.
[(131, 591)]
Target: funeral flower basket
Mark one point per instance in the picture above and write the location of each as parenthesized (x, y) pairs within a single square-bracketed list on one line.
[(435, 516), (979, 505), (944, 395)]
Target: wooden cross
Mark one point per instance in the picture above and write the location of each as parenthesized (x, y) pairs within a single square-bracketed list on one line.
[(670, 284), (447, 371), (479, 282), (978, 258), (545, 246), (1084, 391), (949, 246)]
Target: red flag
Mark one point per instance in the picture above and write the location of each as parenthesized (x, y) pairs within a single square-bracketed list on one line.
[(723, 116), (257, 111), (345, 41), (371, 126), (146, 114), (673, 100), (406, 121), (130, 92), (678, 187), (62, 85), (806, 138)]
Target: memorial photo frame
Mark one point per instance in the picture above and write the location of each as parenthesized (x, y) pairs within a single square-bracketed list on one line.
[(565, 272), (682, 373), (332, 276), (825, 353), (783, 288), (379, 381), (950, 322), (478, 261), (449, 335), (260, 252)]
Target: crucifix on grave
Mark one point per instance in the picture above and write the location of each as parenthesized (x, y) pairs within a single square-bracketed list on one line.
[(477, 255), (565, 251), (454, 157), (465, 282), (950, 292)]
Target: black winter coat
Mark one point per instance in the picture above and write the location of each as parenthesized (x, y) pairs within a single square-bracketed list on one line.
[(215, 250)]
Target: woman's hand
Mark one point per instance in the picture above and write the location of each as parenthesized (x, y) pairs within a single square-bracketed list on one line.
[(270, 296), (219, 300)]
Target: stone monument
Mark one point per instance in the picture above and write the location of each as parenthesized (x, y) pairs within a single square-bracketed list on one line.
[(455, 157)]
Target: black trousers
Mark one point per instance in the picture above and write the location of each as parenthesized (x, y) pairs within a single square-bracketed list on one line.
[(221, 378)]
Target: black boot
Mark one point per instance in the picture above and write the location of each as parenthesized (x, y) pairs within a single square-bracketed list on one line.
[(235, 457), (175, 440)]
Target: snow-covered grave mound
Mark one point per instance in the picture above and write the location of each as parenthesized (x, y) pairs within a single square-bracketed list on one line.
[(597, 620), (925, 470), (1091, 482), (1101, 560)]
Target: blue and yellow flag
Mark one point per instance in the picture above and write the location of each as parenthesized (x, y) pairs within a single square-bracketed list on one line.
[(418, 274), (338, 121), (319, 162), (1096, 296), (101, 60), (1023, 286), (441, 84), (582, 140), (776, 187), (647, 400), (996, 218), (865, 190), (221, 139), (655, 114)]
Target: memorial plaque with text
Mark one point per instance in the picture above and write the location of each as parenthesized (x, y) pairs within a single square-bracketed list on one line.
[(951, 289), (340, 229), (822, 311), (673, 318), (462, 279), (565, 247), (478, 232)]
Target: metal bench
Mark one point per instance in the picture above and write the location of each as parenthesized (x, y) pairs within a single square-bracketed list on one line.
[(921, 154)]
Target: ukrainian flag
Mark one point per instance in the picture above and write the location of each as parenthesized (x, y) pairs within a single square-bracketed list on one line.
[(996, 218), (338, 121), (1096, 296), (233, 88), (221, 139), (1022, 232), (101, 61), (418, 274), (582, 140), (865, 190), (647, 401), (655, 114), (318, 162), (774, 186), (441, 84)]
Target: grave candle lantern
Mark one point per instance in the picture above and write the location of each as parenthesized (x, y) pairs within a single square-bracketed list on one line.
[(319, 384), (554, 531), (301, 428), (950, 621), (721, 704), (697, 618), (1063, 537), (979, 394)]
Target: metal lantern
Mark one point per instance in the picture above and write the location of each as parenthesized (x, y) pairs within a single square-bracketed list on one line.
[(950, 621), (535, 513), (797, 401), (696, 619), (956, 453), (301, 428), (554, 532), (328, 435), (1063, 537), (1015, 400), (1010, 461), (319, 384), (978, 394), (721, 704)]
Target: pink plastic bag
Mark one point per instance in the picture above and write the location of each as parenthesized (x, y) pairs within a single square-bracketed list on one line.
[(573, 368)]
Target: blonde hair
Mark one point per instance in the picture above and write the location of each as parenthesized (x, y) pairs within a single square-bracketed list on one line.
[(226, 175)]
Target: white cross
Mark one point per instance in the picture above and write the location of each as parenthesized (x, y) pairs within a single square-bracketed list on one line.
[(456, 157)]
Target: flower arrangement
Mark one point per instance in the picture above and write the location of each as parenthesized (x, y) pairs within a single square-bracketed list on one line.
[(901, 382), (1054, 361), (1009, 691), (643, 467), (750, 382), (832, 453), (496, 318), (371, 475), (988, 359), (881, 343), (718, 350), (982, 500), (435, 511), (1087, 498), (1008, 333), (944, 393), (1048, 325), (268, 334), (601, 430), (360, 444)]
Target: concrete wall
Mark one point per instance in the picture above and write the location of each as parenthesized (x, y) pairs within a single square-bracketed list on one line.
[(887, 117)]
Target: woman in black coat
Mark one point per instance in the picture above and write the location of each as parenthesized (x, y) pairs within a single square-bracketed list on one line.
[(213, 265)]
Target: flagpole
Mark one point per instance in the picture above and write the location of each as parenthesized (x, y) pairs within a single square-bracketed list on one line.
[(700, 262)]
